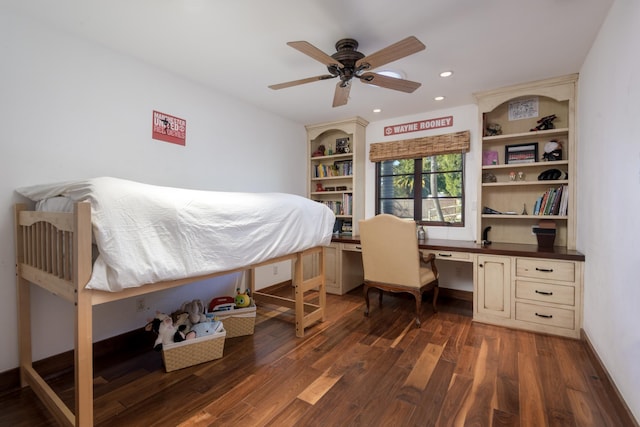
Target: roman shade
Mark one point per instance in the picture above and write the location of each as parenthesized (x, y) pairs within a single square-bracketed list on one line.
[(456, 142)]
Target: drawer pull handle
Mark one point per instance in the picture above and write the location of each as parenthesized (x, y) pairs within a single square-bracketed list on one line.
[(359, 248), (546, 316), (543, 292), (545, 270), (445, 255)]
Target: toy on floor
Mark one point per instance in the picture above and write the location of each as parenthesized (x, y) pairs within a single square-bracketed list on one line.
[(243, 299)]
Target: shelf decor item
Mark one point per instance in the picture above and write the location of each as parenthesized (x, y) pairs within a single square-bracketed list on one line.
[(489, 158), (342, 146), (521, 153)]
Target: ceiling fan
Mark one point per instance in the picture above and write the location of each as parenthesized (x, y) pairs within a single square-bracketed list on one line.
[(348, 63)]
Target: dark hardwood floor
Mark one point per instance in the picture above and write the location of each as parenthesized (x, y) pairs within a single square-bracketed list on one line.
[(352, 371)]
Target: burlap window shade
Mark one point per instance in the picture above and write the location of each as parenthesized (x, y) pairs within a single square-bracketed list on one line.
[(457, 142)]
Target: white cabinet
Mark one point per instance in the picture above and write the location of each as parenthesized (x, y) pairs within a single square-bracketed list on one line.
[(492, 289), (536, 294), (548, 295)]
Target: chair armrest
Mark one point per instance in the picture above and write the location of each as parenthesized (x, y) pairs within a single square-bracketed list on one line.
[(429, 259)]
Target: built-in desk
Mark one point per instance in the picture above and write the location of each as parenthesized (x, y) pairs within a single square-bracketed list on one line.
[(514, 285)]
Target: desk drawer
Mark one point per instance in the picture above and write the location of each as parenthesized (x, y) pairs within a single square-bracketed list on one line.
[(354, 247), (549, 316), (545, 292), (452, 256), (546, 269)]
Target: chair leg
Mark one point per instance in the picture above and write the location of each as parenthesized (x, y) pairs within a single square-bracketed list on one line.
[(418, 297), (436, 289), (366, 299)]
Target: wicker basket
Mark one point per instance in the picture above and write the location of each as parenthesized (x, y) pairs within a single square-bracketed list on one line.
[(238, 322), (192, 352)]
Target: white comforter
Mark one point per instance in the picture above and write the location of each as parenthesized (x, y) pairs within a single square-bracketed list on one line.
[(148, 233)]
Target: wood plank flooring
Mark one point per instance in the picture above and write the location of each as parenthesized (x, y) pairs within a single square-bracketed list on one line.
[(352, 371)]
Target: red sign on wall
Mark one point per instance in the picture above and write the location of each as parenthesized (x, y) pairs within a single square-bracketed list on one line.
[(169, 128), (440, 122)]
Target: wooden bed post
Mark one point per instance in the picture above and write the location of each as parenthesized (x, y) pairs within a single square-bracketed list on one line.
[(84, 315), (23, 292), (298, 277)]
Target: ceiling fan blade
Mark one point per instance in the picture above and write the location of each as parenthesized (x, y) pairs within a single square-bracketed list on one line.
[(315, 53), (301, 81), (398, 50), (341, 95), (389, 82)]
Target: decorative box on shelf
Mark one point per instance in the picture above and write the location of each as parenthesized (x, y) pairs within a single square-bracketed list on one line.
[(195, 351), (238, 322)]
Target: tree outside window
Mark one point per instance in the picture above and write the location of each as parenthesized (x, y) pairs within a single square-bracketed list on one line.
[(428, 190)]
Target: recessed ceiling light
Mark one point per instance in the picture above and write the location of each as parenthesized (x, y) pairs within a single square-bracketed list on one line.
[(377, 110), (391, 73), (446, 73), (439, 98)]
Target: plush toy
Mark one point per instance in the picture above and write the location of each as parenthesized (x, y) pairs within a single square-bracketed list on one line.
[(205, 328), (195, 309), (243, 299), (166, 331)]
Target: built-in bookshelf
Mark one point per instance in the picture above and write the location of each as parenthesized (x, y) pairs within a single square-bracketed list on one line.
[(336, 169), (520, 177)]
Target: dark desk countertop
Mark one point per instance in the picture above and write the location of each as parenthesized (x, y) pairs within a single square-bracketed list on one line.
[(507, 249)]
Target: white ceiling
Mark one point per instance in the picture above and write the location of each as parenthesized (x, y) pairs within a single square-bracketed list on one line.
[(238, 47)]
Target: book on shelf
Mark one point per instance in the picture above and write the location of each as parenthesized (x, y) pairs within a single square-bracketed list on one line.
[(337, 168), (552, 202)]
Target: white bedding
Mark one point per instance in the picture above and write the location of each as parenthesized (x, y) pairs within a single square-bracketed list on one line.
[(147, 234)]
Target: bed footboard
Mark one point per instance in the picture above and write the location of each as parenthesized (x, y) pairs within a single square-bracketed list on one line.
[(53, 251)]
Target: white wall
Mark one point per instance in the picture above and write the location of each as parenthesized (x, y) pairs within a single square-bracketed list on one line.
[(454, 274), (609, 196), (72, 109)]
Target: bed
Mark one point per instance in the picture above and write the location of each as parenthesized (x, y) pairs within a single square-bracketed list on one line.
[(150, 238)]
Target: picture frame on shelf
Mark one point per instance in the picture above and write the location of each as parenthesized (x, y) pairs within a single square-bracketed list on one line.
[(521, 153)]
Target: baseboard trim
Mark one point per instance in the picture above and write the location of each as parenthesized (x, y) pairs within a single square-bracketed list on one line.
[(626, 416), (456, 294)]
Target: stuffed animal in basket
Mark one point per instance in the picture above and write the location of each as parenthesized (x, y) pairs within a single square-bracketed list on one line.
[(167, 332), (243, 299), (206, 328), (195, 309)]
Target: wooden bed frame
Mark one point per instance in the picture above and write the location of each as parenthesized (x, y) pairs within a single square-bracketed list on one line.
[(53, 251)]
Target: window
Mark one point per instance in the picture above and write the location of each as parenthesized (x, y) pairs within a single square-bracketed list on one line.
[(428, 190)]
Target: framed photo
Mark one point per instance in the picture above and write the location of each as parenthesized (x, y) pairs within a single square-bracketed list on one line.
[(342, 146), (521, 153)]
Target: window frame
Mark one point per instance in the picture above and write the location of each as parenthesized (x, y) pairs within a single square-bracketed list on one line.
[(417, 191)]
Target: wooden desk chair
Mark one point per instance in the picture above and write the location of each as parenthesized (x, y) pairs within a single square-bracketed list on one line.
[(392, 261)]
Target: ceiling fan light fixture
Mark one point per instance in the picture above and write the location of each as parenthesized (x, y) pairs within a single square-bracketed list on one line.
[(447, 73), (347, 63), (439, 98)]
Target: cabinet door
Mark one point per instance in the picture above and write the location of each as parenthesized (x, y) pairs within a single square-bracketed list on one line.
[(493, 288), (331, 266)]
